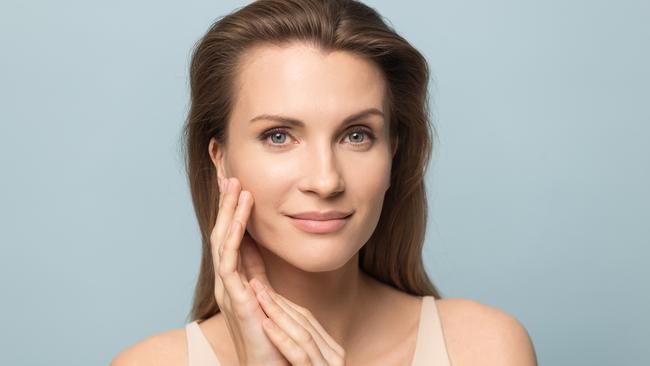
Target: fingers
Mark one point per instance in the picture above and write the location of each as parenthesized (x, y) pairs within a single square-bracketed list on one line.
[(304, 317), (214, 240), (226, 212), (293, 340), (229, 250), (220, 228), (222, 189), (295, 337), (225, 239), (287, 346), (228, 264), (242, 207)]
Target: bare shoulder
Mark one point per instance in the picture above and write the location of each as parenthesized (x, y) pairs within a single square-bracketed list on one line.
[(479, 334), (167, 348)]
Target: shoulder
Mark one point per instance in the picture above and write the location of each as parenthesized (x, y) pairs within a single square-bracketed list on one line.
[(167, 348), (479, 334)]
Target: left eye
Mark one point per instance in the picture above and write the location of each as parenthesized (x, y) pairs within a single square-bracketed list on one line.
[(279, 132), (358, 133)]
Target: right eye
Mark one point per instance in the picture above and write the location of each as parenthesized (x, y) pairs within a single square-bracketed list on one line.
[(274, 133)]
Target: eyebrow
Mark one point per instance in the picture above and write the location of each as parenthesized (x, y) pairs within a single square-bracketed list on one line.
[(292, 121)]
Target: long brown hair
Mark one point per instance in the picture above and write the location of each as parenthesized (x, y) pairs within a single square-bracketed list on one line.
[(393, 254)]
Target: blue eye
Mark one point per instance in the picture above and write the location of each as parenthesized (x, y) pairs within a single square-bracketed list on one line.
[(360, 133), (278, 132)]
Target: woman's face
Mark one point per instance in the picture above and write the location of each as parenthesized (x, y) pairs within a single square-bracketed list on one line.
[(319, 163)]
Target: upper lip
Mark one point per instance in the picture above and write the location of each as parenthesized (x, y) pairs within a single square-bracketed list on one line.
[(321, 216)]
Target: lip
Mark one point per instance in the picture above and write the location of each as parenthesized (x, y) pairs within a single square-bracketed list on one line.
[(321, 226), (321, 216)]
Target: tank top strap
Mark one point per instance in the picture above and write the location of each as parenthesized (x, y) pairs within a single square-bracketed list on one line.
[(199, 351), (430, 346)]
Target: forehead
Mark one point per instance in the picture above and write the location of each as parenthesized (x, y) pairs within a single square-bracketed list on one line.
[(303, 81)]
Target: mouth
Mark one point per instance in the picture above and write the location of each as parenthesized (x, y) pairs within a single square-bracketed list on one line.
[(320, 226)]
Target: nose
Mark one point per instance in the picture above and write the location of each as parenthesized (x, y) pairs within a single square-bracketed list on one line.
[(321, 172)]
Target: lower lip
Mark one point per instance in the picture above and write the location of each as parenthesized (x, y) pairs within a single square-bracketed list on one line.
[(319, 227)]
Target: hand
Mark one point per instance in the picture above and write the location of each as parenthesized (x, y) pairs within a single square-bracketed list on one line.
[(233, 294), (295, 331)]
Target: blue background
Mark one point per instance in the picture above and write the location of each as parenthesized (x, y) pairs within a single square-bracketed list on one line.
[(539, 188)]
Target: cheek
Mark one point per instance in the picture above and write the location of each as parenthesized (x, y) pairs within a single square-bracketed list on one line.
[(267, 184), (369, 197), (375, 180), (257, 174), (259, 171)]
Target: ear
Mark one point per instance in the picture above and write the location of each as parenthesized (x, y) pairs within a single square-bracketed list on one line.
[(217, 155)]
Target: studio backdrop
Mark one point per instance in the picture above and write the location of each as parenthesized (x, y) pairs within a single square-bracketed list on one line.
[(538, 187)]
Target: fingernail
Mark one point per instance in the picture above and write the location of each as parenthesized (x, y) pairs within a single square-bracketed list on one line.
[(227, 185)]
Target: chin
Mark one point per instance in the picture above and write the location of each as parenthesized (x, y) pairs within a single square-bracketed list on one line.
[(317, 261)]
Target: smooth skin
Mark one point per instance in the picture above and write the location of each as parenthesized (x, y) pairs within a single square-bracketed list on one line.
[(291, 329), (319, 165)]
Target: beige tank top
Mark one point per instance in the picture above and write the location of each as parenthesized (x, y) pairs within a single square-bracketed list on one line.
[(430, 347)]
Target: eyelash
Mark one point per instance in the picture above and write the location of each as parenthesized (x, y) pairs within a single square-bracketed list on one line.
[(268, 133)]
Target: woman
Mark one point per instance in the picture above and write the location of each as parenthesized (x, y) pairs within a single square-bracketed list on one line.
[(306, 147)]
